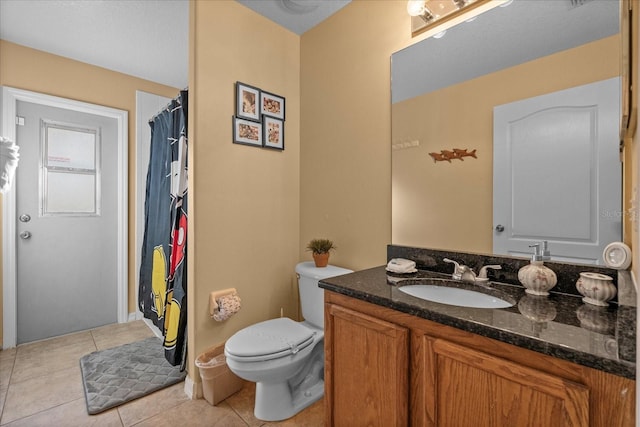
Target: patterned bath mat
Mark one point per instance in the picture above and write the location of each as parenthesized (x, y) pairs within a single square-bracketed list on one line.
[(121, 374)]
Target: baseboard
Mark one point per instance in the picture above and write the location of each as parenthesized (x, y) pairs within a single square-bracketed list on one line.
[(192, 389), (134, 316)]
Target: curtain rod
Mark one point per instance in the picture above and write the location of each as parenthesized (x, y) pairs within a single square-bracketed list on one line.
[(166, 107)]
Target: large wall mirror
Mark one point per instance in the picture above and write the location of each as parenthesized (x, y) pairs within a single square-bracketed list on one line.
[(466, 91)]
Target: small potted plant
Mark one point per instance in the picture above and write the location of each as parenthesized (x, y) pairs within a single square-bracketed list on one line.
[(320, 249)]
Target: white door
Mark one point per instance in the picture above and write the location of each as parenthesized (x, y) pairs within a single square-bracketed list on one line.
[(557, 173), (66, 220)]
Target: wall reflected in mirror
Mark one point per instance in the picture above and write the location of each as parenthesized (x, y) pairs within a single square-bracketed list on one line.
[(444, 92)]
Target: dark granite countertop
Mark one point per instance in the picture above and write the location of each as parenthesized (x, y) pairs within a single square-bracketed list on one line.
[(559, 325)]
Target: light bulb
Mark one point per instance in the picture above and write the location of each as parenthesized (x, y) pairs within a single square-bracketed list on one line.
[(415, 7), (460, 3)]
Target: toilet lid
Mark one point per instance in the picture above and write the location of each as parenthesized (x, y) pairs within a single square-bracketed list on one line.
[(270, 339)]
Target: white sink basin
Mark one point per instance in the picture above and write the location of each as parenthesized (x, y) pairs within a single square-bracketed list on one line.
[(454, 296)]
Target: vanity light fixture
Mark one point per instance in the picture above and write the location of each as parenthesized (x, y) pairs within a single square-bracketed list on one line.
[(419, 8), (435, 16)]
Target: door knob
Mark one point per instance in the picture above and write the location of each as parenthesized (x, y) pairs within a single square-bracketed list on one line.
[(499, 228), (25, 235), (24, 218)]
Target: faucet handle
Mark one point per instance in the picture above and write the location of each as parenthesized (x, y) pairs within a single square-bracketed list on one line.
[(460, 271), (456, 263), (483, 270), (457, 269)]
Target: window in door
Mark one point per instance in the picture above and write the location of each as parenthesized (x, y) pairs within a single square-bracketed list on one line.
[(70, 170)]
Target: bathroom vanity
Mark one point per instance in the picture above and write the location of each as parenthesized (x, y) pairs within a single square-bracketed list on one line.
[(394, 359)]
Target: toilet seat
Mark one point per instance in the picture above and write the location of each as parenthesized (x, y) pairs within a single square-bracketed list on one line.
[(269, 340)]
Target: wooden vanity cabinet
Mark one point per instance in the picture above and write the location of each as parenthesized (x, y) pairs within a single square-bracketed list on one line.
[(387, 368), (369, 360), (472, 388)]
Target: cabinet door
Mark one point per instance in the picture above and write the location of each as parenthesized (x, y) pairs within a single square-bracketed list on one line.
[(366, 370), (472, 388)]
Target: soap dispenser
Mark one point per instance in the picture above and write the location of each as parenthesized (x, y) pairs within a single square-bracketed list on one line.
[(536, 277)]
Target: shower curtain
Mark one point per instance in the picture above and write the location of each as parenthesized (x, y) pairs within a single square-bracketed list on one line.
[(162, 295)]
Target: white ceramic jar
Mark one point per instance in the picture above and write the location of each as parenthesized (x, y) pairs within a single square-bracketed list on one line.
[(596, 288)]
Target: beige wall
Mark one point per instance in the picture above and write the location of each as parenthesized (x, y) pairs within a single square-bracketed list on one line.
[(345, 162), (461, 116), (37, 71), (631, 151), (244, 201)]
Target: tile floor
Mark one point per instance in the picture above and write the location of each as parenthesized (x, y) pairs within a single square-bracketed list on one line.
[(40, 385)]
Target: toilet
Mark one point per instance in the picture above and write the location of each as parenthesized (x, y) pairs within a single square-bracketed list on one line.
[(283, 357)]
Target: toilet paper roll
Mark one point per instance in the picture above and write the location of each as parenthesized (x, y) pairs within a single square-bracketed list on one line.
[(228, 305)]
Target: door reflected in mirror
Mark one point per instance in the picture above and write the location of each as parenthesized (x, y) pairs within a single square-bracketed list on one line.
[(444, 92)]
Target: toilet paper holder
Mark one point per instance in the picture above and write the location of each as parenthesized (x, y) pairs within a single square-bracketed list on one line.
[(214, 296)]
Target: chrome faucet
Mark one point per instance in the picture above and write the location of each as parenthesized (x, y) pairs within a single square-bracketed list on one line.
[(461, 272), (466, 274)]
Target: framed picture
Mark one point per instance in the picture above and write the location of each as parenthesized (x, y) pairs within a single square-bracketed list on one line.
[(247, 132), (247, 102), (272, 105), (273, 131)]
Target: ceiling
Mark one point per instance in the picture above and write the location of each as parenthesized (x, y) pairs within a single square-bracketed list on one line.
[(142, 38), (296, 15)]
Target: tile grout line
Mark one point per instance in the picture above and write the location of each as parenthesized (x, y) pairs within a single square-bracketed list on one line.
[(13, 366)]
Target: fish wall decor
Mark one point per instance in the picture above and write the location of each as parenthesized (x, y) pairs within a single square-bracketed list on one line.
[(456, 154)]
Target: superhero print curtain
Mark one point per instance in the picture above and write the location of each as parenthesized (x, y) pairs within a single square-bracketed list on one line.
[(162, 295)]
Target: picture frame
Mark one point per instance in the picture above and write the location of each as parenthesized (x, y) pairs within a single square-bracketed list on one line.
[(273, 133), (248, 101), (247, 132), (272, 105)]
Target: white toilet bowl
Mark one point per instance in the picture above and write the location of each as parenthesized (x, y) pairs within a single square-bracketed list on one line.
[(283, 357), (286, 364)]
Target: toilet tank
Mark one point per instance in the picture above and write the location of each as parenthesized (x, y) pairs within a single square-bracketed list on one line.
[(311, 295)]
